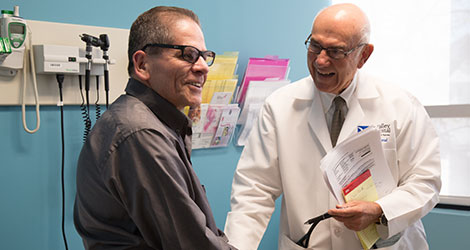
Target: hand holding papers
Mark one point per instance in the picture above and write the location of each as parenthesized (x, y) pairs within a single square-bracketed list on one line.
[(357, 169)]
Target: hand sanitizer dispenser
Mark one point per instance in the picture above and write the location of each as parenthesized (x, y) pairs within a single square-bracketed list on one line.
[(12, 42)]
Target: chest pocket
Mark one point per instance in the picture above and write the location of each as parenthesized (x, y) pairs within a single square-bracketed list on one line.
[(388, 139)]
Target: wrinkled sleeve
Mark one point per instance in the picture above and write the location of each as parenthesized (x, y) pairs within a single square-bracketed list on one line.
[(419, 168), (148, 176), (256, 185)]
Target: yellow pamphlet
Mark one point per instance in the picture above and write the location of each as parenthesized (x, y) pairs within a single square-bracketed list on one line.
[(363, 189)]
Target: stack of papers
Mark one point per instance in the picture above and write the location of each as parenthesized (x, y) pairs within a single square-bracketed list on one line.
[(356, 169)]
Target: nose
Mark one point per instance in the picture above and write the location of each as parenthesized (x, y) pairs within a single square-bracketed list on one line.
[(201, 66), (322, 59)]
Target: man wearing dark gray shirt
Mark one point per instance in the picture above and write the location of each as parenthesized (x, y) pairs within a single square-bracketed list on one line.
[(136, 188)]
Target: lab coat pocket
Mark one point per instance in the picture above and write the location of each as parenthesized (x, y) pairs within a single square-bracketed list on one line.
[(287, 244)]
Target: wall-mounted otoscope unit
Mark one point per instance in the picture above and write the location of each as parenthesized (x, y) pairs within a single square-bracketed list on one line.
[(93, 60), (103, 43)]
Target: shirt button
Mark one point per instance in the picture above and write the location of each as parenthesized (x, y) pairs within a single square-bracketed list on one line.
[(338, 232)]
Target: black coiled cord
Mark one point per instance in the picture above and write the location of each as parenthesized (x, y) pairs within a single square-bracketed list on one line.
[(98, 107), (85, 115)]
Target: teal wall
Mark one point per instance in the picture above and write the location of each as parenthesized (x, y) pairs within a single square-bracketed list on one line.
[(30, 189), (448, 229)]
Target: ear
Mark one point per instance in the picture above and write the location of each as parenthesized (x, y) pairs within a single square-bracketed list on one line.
[(141, 66), (365, 54)]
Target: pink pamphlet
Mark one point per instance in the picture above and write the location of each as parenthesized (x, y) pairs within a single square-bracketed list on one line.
[(259, 69)]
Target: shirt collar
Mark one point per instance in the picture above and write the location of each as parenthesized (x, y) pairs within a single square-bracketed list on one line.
[(163, 109), (327, 98)]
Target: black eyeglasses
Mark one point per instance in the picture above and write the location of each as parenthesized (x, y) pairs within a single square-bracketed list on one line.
[(335, 53), (189, 53), (303, 242)]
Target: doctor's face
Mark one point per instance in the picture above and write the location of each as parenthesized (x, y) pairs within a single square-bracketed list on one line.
[(329, 74)]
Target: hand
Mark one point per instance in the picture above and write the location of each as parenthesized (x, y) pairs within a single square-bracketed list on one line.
[(357, 215)]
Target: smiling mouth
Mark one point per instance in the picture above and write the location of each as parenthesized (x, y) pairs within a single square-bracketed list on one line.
[(326, 74), (196, 84)]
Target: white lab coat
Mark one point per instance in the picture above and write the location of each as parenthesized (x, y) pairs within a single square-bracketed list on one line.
[(283, 156)]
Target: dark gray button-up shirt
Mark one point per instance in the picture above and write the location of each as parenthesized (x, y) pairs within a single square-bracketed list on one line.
[(136, 188)]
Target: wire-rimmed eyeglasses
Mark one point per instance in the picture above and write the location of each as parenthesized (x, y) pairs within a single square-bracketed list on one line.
[(335, 53), (303, 242), (189, 53)]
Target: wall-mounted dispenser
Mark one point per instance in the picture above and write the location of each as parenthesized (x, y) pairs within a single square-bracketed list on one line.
[(12, 42)]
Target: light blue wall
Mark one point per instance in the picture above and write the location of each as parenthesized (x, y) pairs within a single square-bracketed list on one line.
[(448, 229), (30, 193)]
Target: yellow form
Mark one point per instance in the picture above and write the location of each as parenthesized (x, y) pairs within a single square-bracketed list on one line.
[(363, 189)]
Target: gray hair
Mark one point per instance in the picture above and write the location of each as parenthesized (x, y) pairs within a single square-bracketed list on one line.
[(154, 26)]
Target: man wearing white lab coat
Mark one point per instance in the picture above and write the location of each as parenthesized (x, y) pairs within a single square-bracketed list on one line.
[(282, 156)]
